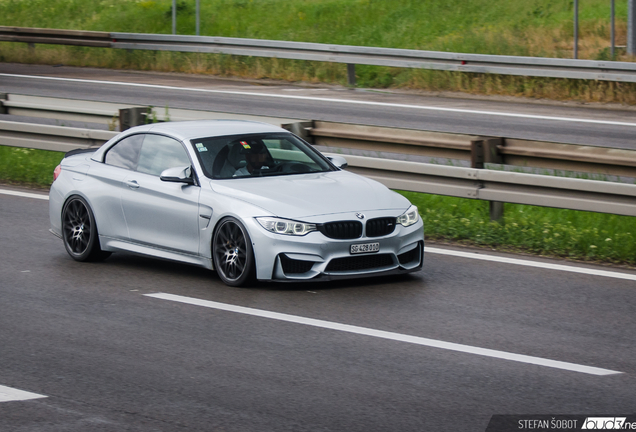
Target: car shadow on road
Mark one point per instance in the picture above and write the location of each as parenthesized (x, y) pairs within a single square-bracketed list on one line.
[(190, 275), (324, 285)]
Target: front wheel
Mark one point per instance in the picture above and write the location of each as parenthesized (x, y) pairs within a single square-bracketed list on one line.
[(232, 253), (79, 231)]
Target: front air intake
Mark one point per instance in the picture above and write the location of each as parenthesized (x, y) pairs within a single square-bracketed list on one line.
[(359, 263)]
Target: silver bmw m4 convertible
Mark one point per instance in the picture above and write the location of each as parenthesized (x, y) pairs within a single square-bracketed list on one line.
[(249, 200)]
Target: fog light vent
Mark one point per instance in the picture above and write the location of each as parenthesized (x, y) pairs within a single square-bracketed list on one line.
[(292, 266)]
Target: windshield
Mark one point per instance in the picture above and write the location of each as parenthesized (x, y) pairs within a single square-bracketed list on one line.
[(253, 155)]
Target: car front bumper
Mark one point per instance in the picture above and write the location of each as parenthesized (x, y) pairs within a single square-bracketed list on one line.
[(315, 257)]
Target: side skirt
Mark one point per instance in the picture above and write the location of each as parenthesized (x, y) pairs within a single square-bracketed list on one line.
[(117, 245)]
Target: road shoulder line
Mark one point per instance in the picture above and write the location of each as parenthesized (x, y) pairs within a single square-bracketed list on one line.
[(573, 367), (529, 263), (8, 394)]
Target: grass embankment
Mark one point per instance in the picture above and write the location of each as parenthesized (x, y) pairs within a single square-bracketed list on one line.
[(528, 28), (538, 230), (28, 166)]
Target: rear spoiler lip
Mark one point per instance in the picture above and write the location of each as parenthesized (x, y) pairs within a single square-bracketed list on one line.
[(79, 151)]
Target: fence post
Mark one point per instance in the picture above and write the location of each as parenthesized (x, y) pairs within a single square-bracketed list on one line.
[(576, 29), (612, 31), (631, 24), (174, 17), (198, 17)]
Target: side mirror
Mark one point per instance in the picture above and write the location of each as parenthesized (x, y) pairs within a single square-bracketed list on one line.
[(178, 175), (338, 161)]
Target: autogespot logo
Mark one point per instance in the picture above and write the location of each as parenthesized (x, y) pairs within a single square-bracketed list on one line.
[(607, 423)]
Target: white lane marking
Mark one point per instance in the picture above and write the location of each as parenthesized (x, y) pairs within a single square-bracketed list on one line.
[(8, 394), (470, 255), (386, 335), (24, 194), (543, 265), (332, 100)]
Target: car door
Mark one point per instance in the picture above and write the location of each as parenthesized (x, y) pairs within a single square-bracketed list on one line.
[(158, 213), (119, 162)]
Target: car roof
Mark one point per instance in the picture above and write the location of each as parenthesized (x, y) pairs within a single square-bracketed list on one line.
[(187, 130), (206, 128)]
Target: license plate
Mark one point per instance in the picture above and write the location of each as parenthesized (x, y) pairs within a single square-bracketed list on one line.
[(365, 248)]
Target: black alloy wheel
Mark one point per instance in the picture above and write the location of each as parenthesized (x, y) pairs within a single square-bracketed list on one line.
[(232, 253), (79, 231)]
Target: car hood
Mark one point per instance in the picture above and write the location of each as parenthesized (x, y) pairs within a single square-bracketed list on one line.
[(307, 195)]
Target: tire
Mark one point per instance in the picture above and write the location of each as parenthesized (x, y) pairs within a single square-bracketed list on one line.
[(79, 231), (232, 253)]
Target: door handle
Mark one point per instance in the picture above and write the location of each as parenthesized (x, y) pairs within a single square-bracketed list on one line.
[(132, 184)]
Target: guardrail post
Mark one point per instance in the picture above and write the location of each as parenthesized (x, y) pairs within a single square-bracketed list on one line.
[(351, 74), (300, 129), (3, 98), (129, 117), (491, 150), (496, 211), (492, 155), (482, 151), (477, 153), (485, 150)]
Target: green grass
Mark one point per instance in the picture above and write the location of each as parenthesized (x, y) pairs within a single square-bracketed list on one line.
[(538, 230), (532, 27), (28, 166), (446, 25)]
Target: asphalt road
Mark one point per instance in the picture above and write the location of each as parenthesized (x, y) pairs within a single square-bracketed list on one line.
[(106, 354), (598, 125), (108, 357)]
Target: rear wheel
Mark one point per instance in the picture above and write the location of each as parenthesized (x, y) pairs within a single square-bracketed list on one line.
[(79, 231), (232, 253)]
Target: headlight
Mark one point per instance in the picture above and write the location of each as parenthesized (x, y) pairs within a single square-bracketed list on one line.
[(409, 217), (285, 226)]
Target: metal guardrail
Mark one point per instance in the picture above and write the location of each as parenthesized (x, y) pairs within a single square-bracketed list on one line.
[(478, 150), (473, 149), (500, 186), (52, 138), (55, 36), (490, 185), (107, 113), (352, 55)]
